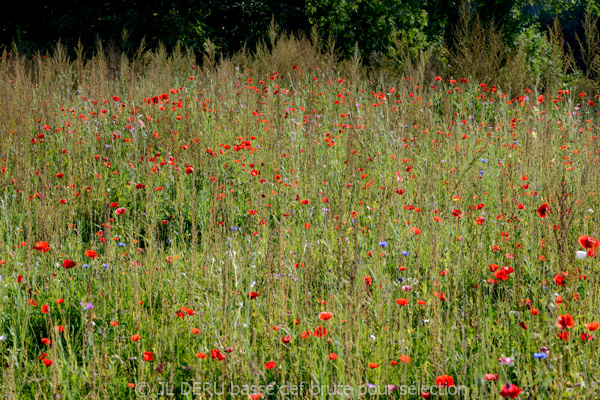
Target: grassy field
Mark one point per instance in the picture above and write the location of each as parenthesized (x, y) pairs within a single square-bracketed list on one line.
[(282, 224)]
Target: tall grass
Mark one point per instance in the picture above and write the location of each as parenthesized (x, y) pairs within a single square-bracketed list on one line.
[(386, 159)]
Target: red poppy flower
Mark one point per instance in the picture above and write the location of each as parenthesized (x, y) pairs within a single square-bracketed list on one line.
[(42, 246), (46, 341), (558, 300), (444, 380), (216, 354), (592, 326), (195, 331), (68, 264), (189, 169), (201, 355), (187, 310), (402, 302), (373, 365), (47, 362), (404, 359), (501, 274), (45, 309), (120, 211), (135, 338), (333, 356), (91, 254), (441, 296), (565, 321), (320, 332), (325, 315), (252, 295), (590, 244), (559, 279), (510, 390), (148, 356), (493, 267), (491, 377), (270, 365), (543, 210)]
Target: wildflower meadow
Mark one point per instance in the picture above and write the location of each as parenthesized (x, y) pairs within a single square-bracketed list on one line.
[(283, 223)]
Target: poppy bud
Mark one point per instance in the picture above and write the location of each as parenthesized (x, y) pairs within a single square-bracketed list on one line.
[(522, 323)]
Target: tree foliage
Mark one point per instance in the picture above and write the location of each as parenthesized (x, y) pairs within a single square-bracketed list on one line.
[(373, 25)]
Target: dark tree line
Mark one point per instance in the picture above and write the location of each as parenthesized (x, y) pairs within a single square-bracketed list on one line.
[(372, 24)]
